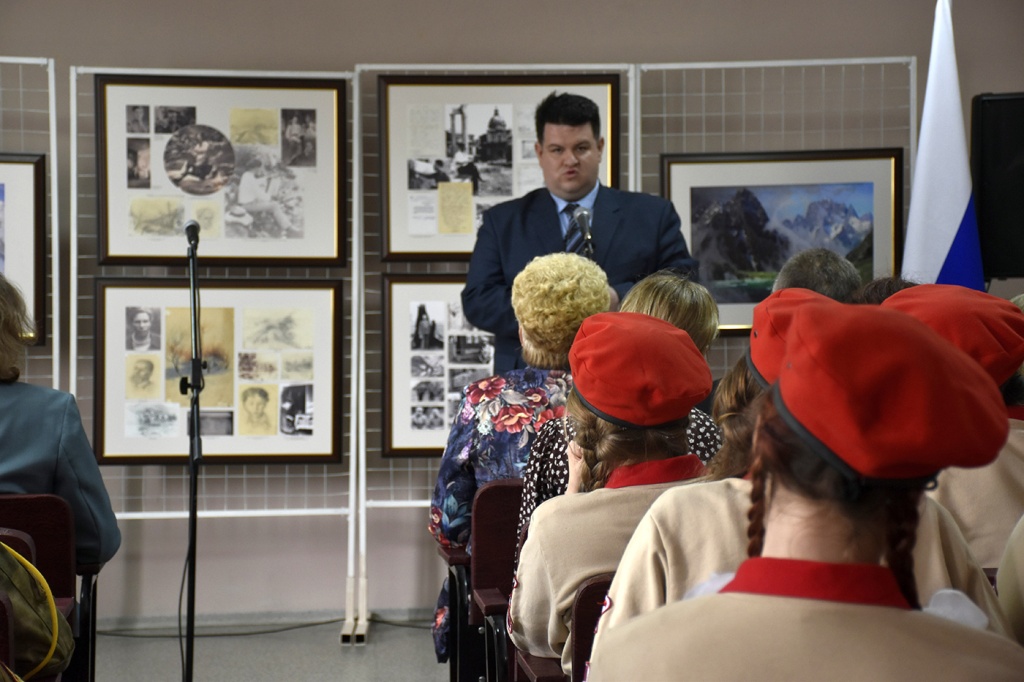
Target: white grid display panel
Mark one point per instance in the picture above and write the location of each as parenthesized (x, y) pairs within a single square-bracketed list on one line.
[(774, 106), (25, 128), (223, 488), (407, 481)]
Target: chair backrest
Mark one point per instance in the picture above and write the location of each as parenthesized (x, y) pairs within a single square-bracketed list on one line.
[(493, 535), (48, 520), (586, 610)]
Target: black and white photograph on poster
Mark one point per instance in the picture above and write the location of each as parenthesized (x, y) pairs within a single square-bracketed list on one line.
[(136, 118), (138, 162), (454, 401), (257, 162), (470, 349), (461, 377), (298, 137), (427, 325), (427, 391), (143, 325), (214, 423), (478, 142), (151, 420), (457, 321), (427, 173), (169, 120), (297, 410), (427, 365), (264, 199), (428, 418), (199, 160), (257, 405)]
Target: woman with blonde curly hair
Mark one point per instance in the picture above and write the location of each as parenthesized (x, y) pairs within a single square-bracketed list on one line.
[(45, 449), (499, 416), (635, 380)]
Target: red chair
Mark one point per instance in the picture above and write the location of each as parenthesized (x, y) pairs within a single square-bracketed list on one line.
[(50, 523), (494, 542)]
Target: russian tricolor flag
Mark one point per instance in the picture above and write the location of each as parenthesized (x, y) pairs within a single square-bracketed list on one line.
[(942, 231)]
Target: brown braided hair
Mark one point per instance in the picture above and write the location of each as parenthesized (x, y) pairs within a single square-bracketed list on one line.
[(607, 446), (781, 458), (735, 411)]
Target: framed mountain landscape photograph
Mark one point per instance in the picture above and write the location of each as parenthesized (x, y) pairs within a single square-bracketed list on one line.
[(749, 213)]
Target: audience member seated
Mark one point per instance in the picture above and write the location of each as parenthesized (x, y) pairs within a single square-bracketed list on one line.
[(846, 442), (988, 501), (45, 449), (881, 288), (635, 380), (499, 416), (820, 270), (693, 532), (670, 296)]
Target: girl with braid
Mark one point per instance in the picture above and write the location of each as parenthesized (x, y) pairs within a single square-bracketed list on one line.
[(847, 440), (635, 380)]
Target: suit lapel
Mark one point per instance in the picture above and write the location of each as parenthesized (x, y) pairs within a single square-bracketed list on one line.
[(607, 221), (542, 226)]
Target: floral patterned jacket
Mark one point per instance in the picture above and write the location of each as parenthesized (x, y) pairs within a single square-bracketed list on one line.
[(490, 439)]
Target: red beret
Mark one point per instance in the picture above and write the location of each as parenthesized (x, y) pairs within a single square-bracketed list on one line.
[(635, 370), (772, 317), (877, 392), (988, 328)]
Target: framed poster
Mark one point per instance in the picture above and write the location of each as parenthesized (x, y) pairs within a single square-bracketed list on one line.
[(453, 146), (23, 231), (272, 353), (258, 163), (750, 212), (431, 353)]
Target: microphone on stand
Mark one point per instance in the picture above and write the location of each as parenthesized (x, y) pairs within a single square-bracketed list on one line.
[(192, 233), (582, 217)]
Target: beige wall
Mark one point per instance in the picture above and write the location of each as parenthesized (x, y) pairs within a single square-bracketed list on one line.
[(294, 564)]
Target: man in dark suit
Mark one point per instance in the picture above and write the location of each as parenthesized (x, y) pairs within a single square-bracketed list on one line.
[(633, 234)]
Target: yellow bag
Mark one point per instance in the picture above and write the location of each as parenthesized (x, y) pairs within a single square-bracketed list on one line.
[(43, 639)]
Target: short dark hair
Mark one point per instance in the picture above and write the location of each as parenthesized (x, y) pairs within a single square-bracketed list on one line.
[(568, 110), (821, 270)]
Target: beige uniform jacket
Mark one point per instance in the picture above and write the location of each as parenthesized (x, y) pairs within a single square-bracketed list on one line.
[(693, 532), (988, 501), (1011, 581), (571, 538), (756, 637)]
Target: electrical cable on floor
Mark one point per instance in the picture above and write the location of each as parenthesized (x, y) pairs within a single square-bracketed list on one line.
[(140, 634)]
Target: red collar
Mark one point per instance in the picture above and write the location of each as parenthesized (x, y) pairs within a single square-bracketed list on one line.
[(848, 583), (1016, 411), (681, 468)]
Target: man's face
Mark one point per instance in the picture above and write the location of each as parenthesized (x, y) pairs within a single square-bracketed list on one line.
[(140, 323), (142, 371), (570, 159)]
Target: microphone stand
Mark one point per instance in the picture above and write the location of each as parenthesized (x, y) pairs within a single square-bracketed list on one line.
[(193, 382)]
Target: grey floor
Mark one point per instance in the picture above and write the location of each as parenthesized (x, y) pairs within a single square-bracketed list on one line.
[(310, 653)]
